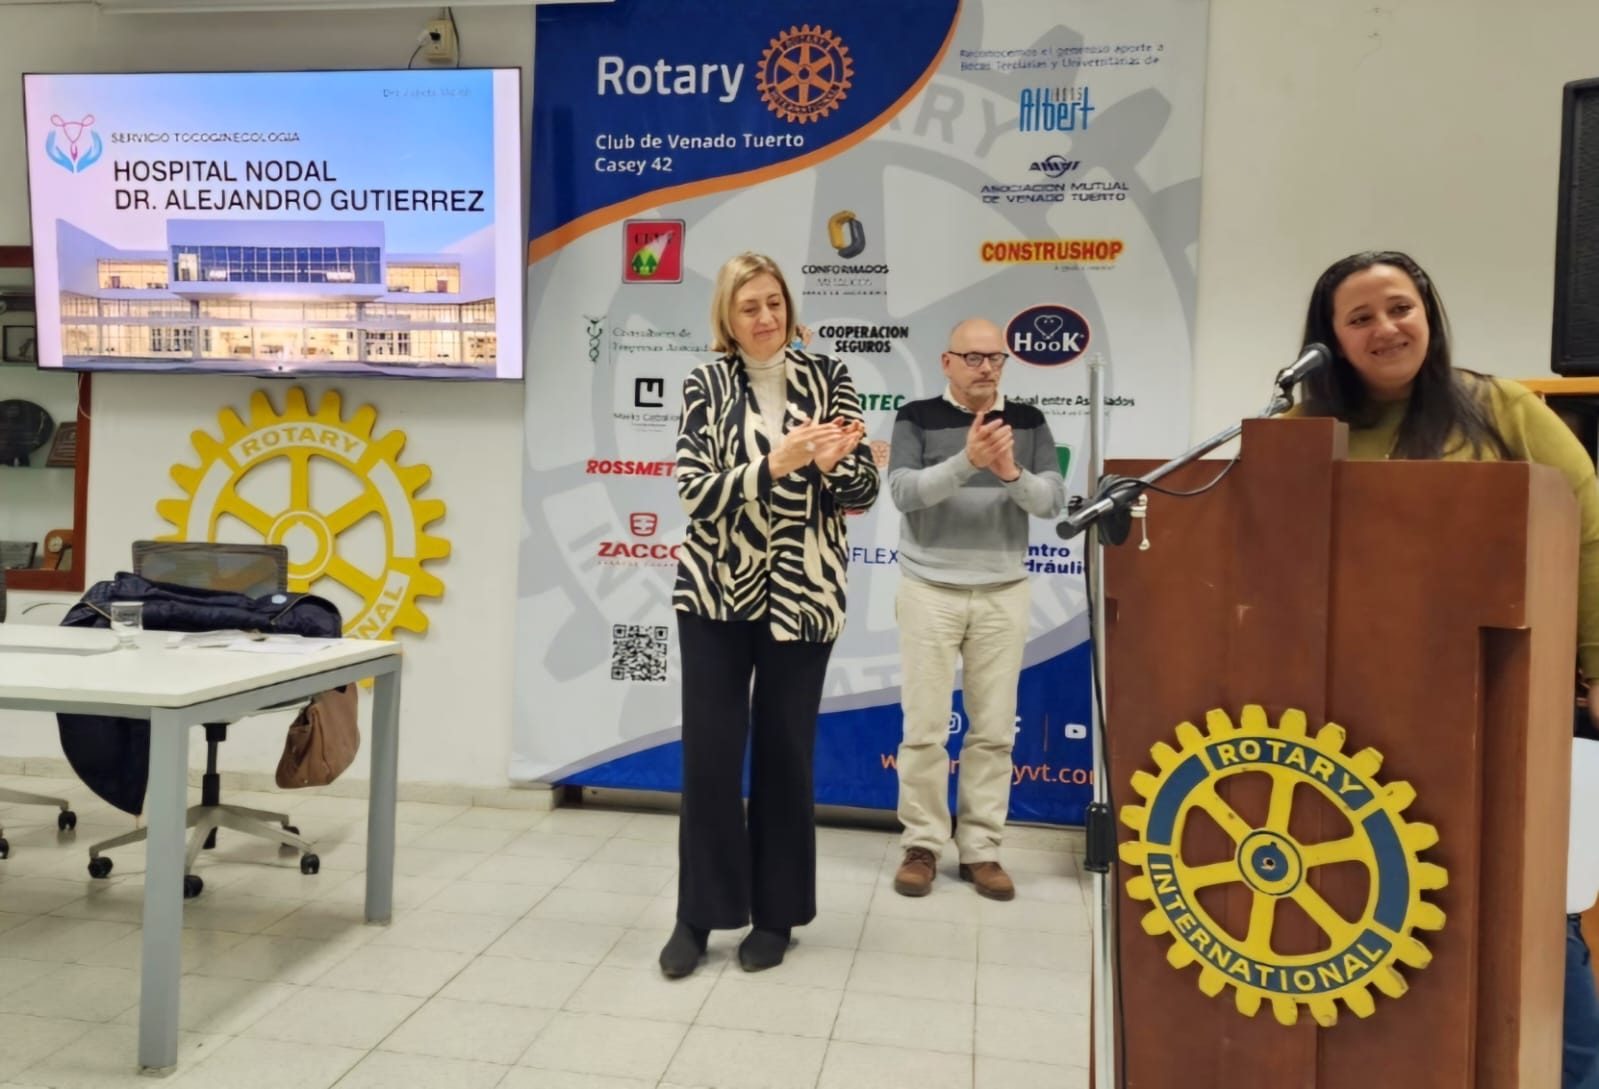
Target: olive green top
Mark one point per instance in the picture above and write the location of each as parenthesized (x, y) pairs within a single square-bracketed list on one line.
[(1533, 433)]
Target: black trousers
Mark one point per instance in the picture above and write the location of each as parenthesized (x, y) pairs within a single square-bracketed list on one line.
[(728, 872)]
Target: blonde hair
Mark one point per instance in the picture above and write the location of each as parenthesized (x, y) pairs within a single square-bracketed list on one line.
[(737, 272)]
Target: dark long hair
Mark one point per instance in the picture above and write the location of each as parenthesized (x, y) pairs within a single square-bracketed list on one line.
[(1446, 402)]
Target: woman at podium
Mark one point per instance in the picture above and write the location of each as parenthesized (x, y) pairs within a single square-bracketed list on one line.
[(1393, 382)]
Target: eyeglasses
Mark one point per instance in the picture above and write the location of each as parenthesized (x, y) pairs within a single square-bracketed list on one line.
[(977, 359)]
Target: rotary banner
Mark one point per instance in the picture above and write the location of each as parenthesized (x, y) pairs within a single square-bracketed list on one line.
[(908, 163)]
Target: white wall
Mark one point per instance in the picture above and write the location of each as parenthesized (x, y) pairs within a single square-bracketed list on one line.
[(1330, 126), (457, 696), (1333, 126)]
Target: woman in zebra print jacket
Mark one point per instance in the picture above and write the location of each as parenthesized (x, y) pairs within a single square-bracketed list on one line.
[(770, 457)]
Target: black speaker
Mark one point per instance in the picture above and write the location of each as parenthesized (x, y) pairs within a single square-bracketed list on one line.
[(1575, 344)]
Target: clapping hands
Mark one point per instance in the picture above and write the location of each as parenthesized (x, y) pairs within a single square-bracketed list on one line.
[(992, 446), (826, 444)]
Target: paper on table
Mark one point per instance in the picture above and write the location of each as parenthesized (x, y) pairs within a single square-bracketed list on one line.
[(1582, 859), (251, 642), (223, 638), (281, 644)]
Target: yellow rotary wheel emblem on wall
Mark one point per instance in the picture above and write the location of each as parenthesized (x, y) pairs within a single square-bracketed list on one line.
[(1274, 867), (330, 492), (804, 73)]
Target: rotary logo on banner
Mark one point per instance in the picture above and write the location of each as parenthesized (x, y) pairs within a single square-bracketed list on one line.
[(908, 163)]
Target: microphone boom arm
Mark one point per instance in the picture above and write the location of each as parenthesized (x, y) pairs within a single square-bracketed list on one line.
[(1116, 493)]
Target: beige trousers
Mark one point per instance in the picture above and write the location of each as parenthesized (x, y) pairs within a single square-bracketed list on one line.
[(987, 630)]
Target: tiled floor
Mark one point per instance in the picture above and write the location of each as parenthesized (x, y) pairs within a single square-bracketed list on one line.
[(522, 955)]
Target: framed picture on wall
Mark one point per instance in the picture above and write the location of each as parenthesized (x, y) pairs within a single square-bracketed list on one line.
[(20, 345)]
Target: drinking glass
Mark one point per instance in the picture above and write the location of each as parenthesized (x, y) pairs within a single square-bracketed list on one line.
[(127, 620)]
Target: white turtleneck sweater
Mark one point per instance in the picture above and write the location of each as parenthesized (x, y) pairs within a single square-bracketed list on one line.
[(769, 382)]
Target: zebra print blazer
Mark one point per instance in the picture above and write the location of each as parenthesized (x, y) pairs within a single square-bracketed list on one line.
[(758, 548)]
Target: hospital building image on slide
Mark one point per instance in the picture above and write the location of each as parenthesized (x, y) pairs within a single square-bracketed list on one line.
[(303, 296)]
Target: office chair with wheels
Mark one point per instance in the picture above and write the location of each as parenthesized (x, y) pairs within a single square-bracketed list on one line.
[(66, 820), (255, 570)]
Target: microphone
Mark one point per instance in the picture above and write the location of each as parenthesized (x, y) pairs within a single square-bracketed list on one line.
[(1312, 359)]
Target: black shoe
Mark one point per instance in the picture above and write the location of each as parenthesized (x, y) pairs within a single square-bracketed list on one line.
[(763, 949), (683, 950)]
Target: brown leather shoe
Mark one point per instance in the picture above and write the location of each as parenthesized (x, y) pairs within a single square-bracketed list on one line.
[(990, 880), (916, 872)]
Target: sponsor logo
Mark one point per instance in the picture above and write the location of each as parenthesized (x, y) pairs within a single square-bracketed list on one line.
[(873, 557), (864, 339), (1055, 166), (804, 73), (74, 146), (1054, 109), (652, 251), (639, 552), (1047, 335), (605, 467), (641, 405), (649, 393), (607, 342), (1053, 251), (838, 280), (881, 402), (1030, 193), (1063, 458), (635, 554), (1048, 559), (846, 235), (1099, 190), (1067, 404)]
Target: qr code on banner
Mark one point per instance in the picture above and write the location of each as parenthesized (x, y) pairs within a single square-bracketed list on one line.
[(638, 653)]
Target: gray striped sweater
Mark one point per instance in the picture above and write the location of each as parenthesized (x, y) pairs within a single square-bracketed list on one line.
[(963, 526)]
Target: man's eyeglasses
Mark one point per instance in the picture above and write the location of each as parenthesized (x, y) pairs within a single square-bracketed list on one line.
[(977, 359)]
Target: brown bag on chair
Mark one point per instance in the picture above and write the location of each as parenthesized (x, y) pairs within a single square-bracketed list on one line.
[(322, 741)]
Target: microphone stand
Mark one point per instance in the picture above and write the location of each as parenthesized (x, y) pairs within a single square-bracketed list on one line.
[(1106, 517), (1117, 494), (1102, 914)]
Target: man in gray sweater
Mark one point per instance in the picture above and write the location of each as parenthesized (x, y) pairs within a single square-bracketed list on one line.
[(966, 469)]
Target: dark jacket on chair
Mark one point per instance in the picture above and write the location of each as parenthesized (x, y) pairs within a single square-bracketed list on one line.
[(112, 755)]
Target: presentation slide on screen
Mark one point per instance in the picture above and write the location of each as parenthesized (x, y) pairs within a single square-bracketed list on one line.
[(279, 222)]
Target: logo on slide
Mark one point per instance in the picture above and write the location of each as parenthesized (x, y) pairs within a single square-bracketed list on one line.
[(73, 145), (804, 74), (1270, 864), (652, 251)]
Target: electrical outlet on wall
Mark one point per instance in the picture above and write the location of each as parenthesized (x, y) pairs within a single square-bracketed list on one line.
[(438, 41)]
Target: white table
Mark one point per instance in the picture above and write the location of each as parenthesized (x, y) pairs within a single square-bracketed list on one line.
[(81, 670)]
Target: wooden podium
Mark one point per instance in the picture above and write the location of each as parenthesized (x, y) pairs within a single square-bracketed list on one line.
[(1429, 608)]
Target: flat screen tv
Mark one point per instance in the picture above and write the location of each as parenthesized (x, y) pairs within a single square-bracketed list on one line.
[(279, 223)]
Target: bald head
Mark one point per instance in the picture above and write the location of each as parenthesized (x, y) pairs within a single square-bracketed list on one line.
[(977, 386), (976, 335)]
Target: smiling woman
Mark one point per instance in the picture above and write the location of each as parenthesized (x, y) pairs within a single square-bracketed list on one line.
[(1393, 381), (770, 458), (1393, 377)]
